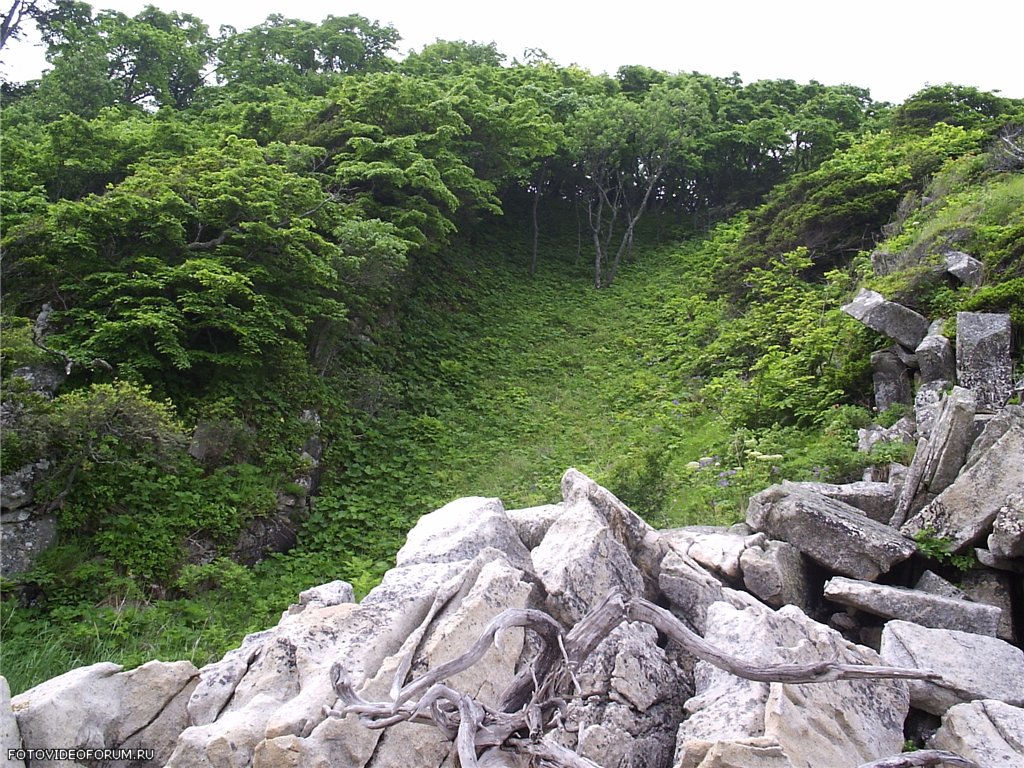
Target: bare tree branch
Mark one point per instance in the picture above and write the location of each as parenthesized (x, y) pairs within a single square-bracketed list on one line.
[(535, 703)]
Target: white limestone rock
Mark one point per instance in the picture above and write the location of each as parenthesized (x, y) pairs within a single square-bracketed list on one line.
[(690, 589), (532, 523), (874, 499), (459, 531), (972, 666), (717, 551), (830, 532), (911, 605), (580, 561), (777, 574), (989, 732), (102, 706), (632, 701), (10, 737), (965, 511), (839, 724)]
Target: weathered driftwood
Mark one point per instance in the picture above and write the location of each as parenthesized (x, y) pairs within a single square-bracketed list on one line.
[(536, 701), (925, 757)]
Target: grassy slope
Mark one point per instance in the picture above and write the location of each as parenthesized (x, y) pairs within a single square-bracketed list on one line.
[(500, 384)]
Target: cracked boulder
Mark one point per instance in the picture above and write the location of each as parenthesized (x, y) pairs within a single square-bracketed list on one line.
[(902, 325), (964, 512), (911, 605), (841, 724), (965, 268), (830, 532), (989, 732), (971, 666), (103, 707)]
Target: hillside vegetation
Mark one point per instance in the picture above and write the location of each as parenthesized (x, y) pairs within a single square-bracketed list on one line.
[(456, 274)]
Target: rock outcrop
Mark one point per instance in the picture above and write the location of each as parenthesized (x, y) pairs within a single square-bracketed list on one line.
[(639, 701), (902, 325)]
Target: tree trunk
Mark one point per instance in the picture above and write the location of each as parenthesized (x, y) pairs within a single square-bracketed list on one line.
[(536, 226)]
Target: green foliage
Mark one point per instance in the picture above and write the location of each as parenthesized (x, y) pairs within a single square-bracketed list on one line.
[(318, 232), (301, 56), (938, 548)]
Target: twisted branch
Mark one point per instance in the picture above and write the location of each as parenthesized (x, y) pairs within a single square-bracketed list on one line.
[(535, 702)]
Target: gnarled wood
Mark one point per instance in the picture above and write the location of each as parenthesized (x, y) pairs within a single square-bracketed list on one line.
[(535, 702)]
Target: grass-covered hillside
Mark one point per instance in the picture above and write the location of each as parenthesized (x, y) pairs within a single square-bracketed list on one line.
[(454, 275)]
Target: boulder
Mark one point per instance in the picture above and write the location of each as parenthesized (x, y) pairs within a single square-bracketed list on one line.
[(903, 431), (264, 704), (717, 551), (580, 561), (934, 584), (595, 546), (876, 500), (325, 595), (645, 545), (689, 588), (103, 707), (965, 510), (840, 724), (993, 430), (459, 531), (972, 666), (965, 268), (988, 587), (777, 574), (911, 605), (1007, 537), (498, 587), (990, 560), (828, 531), (44, 378), (989, 732), (935, 358), (631, 703), (941, 452), (745, 753), (17, 488), (928, 405), (533, 522), (951, 439), (983, 357), (891, 379), (10, 737), (902, 325)]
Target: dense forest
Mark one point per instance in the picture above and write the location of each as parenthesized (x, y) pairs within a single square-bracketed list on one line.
[(291, 283)]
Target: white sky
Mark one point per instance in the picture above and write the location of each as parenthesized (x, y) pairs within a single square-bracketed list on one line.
[(892, 47)]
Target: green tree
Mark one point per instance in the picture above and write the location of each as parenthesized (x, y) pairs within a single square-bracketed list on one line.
[(153, 59), (624, 148), (302, 56)]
